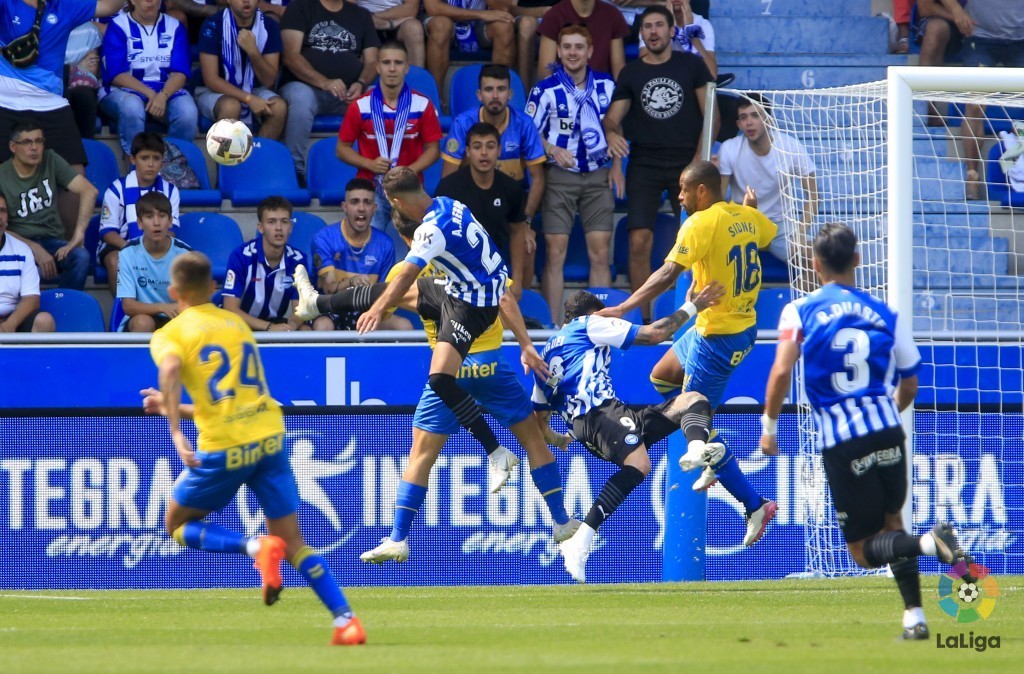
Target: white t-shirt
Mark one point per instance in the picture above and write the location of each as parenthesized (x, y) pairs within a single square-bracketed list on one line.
[(787, 157), (16, 257), (374, 6)]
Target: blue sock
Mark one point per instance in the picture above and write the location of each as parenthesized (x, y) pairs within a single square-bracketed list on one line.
[(407, 503), (549, 484), (210, 537), (314, 569), (736, 483)]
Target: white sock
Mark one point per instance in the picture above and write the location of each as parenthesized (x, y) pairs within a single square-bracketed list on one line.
[(913, 616), (341, 620), (252, 547), (586, 533), (695, 446), (927, 543)]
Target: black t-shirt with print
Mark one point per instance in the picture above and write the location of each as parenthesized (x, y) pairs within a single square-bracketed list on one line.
[(664, 122), (494, 208), (332, 42)]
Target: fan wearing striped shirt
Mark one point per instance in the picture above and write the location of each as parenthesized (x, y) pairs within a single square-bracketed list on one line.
[(259, 285), (856, 350)]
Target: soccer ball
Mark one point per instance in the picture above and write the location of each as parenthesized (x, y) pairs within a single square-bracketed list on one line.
[(968, 592), (229, 142)]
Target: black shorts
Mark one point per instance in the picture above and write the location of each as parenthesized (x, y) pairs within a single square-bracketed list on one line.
[(613, 431), (645, 186), (868, 480), (59, 129), (459, 323)]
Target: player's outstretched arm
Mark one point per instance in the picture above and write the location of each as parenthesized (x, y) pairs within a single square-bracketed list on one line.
[(663, 328), (656, 283), (775, 392), (153, 403), (170, 389), (396, 290), (512, 318)]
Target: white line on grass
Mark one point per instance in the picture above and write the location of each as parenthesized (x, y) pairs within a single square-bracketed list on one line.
[(45, 596)]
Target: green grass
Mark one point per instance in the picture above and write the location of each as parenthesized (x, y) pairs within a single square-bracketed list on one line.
[(818, 626)]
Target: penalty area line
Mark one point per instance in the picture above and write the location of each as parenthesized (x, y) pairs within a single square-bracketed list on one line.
[(45, 596)]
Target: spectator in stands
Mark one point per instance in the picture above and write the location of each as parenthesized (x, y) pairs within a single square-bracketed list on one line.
[(29, 181), (399, 20), (273, 8), (692, 33), (994, 38), (607, 31), (119, 219), (19, 285), (258, 285), (330, 57), (82, 76), (520, 149), (372, 121), (528, 14), (240, 57), (496, 200), (351, 253), (940, 32), (144, 271), (758, 163), (146, 64), (567, 108), (659, 99), (901, 10), (474, 25)]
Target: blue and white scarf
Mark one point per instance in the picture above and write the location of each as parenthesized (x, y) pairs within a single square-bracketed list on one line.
[(402, 110), (234, 72), (683, 37), (588, 116), (130, 195), (465, 36)]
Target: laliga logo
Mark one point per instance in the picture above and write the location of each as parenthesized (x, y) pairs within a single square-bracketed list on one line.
[(968, 596)]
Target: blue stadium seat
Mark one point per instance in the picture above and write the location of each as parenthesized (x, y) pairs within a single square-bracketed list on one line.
[(92, 240), (327, 124), (533, 305), (269, 170), (422, 81), (327, 175), (665, 229), (102, 168), (773, 270), (432, 176), (205, 195), (214, 234), (465, 82), (665, 303), (72, 310), (613, 297), (304, 228), (116, 315), (770, 302)]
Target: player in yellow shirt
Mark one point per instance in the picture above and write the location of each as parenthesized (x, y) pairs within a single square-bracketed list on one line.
[(487, 376), (241, 441), (720, 242)]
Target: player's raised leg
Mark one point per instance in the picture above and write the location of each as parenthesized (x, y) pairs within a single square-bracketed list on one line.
[(544, 471), (360, 298), (412, 490)]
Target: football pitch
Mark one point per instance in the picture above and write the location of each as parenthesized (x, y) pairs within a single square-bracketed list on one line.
[(847, 625)]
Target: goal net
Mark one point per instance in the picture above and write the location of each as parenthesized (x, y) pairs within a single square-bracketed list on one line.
[(939, 239)]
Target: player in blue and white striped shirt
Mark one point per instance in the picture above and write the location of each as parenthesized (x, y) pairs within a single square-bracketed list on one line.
[(579, 388), (856, 349), (448, 237), (259, 285)]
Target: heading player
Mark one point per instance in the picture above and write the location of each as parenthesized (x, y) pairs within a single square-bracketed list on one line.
[(719, 241), (855, 350), (241, 441), (449, 237), (580, 390)]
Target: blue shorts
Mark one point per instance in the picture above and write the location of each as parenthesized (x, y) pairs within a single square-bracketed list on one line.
[(708, 362), (263, 466), (494, 385)]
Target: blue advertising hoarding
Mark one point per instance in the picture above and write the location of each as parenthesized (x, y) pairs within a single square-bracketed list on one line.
[(82, 501)]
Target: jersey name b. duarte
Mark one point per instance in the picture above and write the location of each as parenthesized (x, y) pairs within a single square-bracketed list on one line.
[(855, 348)]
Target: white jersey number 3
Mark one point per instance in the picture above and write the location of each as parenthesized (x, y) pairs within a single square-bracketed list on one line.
[(855, 345)]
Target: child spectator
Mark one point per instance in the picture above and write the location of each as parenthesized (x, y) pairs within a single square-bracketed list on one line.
[(119, 218), (144, 270)]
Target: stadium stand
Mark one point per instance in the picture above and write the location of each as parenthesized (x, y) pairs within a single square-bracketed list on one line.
[(466, 80), (326, 174), (613, 297), (533, 305), (205, 195), (92, 240), (304, 228), (72, 310), (102, 168)]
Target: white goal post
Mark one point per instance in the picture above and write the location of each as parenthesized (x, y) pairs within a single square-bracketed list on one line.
[(895, 170)]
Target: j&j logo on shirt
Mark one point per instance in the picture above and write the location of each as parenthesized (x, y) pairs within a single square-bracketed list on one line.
[(661, 97)]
